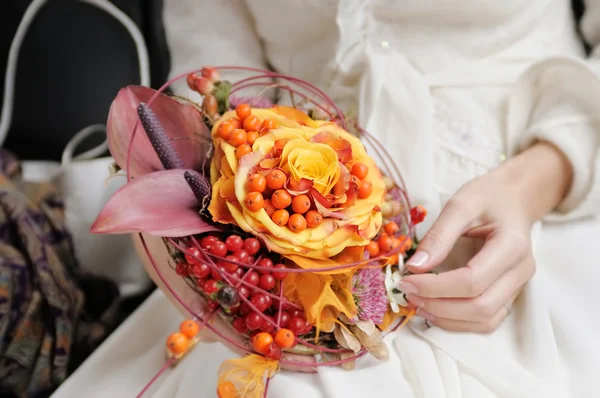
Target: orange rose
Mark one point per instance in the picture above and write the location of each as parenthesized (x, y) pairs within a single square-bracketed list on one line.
[(316, 157)]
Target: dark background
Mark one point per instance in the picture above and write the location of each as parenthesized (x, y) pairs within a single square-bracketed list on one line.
[(73, 61)]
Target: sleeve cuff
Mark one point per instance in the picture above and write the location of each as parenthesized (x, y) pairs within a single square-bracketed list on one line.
[(578, 142), (557, 100)]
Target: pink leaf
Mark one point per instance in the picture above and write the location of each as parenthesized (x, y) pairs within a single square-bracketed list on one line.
[(181, 122), (159, 203)]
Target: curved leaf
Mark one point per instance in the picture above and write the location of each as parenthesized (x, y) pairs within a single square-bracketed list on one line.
[(182, 123), (159, 203), (346, 339)]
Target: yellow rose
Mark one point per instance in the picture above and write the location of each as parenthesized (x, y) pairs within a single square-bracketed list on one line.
[(316, 157), (314, 162)]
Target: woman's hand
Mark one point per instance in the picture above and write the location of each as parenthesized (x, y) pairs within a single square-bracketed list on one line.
[(500, 209)]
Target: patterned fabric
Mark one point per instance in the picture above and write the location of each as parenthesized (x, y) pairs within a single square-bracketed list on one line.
[(51, 316)]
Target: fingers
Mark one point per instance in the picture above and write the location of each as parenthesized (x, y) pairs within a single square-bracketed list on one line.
[(482, 308), (454, 220), (503, 251), (487, 326)]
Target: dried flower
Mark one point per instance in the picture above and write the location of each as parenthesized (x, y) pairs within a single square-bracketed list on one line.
[(368, 290), (254, 102), (394, 295)]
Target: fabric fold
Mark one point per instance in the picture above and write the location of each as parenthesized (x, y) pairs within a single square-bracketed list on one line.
[(557, 100), (401, 124)]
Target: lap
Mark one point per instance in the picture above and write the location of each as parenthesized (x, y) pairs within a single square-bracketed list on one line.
[(545, 348)]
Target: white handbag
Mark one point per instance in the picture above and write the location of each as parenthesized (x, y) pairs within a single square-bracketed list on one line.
[(83, 180)]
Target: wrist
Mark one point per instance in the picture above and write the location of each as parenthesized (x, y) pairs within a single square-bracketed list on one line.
[(541, 177)]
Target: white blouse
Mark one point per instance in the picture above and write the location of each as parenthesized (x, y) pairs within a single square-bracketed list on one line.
[(450, 88)]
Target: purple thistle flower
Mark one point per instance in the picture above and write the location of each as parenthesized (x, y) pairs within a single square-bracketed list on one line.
[(254, 102), (370, 296)]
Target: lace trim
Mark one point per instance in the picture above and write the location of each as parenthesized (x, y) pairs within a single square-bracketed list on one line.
[(464, 138)]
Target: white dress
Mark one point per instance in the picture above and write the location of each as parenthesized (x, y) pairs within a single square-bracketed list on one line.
[(452, 88)]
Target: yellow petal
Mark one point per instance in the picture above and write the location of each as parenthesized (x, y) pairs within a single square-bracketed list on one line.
[(323, 297), (218, 207), (247, 375)]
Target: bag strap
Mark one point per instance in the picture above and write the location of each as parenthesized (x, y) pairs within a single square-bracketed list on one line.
[(11, 69)]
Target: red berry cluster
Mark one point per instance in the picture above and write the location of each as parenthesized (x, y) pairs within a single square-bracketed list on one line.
[(418, 214), (227, 255), (252, 301), (203, 82)]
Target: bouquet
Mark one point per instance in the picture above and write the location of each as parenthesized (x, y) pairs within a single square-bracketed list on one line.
[(269, 225)]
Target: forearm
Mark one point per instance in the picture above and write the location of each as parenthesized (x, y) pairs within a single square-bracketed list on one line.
[(540, 177)]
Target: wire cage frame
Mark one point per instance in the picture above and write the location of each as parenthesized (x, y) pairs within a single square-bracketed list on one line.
[(300, 92)]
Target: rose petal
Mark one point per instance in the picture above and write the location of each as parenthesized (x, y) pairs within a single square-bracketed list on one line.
[(344, 181), (181, 122), (342, 147), (159, 203), (294, 114), (298, 188), (269, 163), (325, 212), (326, 202)]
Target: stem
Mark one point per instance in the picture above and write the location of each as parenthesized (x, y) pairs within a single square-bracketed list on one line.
[(280, 304), (267, 387), (156, 376), (322, 349), (201, 320), (226, 276), (284, 86), (307, 85)]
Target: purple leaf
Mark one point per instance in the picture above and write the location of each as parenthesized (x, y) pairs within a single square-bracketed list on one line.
[(159, 203), (181, 122)]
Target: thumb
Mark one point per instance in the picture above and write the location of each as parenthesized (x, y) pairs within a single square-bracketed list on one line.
[(441, 237)]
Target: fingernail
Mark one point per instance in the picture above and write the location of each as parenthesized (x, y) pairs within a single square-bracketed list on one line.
[(418, 259), (415, 300), (425, 315), (407, 288)]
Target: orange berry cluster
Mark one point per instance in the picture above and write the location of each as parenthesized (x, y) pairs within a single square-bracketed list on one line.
[(241, 132), (359, 172), (389, 240), (283, 208), (267, 190), (180, 342), (294, 211), (226, 389), (271, 346)]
